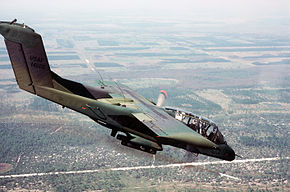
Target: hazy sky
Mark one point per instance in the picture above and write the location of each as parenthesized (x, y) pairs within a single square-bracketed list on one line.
[(210, 8), (247, 15)]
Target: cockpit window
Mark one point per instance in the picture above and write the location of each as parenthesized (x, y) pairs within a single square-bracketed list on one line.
[(201, 125)]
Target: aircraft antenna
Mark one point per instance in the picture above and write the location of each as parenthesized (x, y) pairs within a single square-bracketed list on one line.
[(120, 90), (102, 80), (14, 20)]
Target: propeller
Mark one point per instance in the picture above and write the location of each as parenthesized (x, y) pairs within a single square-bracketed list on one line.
[(162, 96)]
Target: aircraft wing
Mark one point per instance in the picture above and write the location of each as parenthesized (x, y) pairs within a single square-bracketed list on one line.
[(165, 126)]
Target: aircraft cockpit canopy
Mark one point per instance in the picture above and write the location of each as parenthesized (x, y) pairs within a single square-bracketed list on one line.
[(205, 127)]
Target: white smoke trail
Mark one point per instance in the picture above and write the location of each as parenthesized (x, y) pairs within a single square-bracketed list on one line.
[(145, 167)]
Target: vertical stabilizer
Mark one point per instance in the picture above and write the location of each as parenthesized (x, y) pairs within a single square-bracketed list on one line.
[(27, 55), (19, 65)]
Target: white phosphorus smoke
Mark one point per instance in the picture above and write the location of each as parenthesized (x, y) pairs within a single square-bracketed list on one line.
[(146, 167)]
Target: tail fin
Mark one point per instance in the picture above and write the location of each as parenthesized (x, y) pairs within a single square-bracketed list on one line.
[(27, 55)]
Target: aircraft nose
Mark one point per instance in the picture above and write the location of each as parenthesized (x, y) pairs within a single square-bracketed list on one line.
[(229, 153)]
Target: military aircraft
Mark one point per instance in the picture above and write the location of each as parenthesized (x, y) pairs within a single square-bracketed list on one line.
[(143, 124)]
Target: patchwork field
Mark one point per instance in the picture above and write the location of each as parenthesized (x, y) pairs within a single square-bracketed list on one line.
[(239, 80)]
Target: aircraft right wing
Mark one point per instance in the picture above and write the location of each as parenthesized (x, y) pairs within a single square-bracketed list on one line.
[(166, 127)]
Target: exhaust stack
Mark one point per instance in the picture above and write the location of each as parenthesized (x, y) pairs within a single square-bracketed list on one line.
[(162, 96)]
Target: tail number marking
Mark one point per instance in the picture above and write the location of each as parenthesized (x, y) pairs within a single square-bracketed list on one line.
[(37, 62)]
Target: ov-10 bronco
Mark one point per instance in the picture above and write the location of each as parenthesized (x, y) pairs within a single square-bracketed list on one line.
[(141, 123)]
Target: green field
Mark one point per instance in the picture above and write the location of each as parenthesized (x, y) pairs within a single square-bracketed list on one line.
[(240, 80)]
